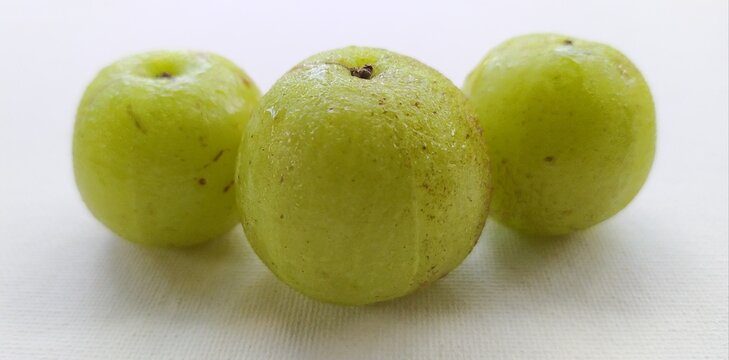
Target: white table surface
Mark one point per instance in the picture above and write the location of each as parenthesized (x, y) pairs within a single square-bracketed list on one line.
[(650, 283)]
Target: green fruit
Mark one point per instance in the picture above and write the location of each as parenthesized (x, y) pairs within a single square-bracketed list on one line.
[(363, 176), (155, 143), (571, 131)]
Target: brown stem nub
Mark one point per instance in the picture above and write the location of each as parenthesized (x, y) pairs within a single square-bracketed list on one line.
[(364, 72), (165, 75)]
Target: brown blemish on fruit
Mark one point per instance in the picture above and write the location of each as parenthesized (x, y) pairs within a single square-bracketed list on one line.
[(202, 181), (136, 120), (164, 75), (215, 158), (227, 187), (280, 181), (549, 158), (280, 216), (218, 155), (567, 42), (364, 72), (246, 82)]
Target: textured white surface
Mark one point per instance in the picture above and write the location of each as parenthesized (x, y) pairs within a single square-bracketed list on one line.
[(651, 283)]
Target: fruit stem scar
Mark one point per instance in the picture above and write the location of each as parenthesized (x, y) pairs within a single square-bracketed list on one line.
[(164, 75), (364, 72), (567, 42)]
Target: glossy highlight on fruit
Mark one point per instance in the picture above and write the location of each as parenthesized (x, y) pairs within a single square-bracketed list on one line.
[(155, 143), (571, 131), (363, 176)]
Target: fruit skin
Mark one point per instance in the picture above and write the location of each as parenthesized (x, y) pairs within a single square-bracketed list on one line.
[(355, 190), (571, 131), (155, 143)]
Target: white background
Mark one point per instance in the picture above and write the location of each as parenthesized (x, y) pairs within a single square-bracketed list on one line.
[(650, 283)]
